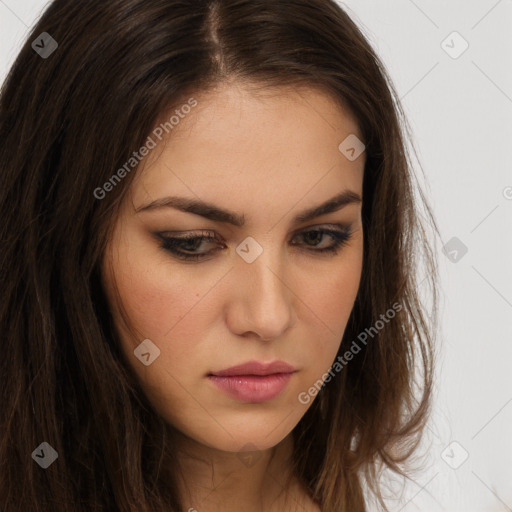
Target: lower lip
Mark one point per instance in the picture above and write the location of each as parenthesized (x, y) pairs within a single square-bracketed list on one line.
[(252, 388)]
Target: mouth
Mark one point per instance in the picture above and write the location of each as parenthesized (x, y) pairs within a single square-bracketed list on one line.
[(253, 382)]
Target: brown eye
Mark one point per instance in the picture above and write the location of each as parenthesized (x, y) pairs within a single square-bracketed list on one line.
[(180, 246), (314, 237)]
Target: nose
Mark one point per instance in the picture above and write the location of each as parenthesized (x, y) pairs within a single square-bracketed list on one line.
[(263, 301)]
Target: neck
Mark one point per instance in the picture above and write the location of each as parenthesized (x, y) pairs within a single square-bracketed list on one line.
[(215, 480)]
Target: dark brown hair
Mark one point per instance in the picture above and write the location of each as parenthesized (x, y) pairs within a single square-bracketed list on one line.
[(68, 122)]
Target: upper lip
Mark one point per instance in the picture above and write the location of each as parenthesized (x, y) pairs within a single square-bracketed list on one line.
[(256, 368)]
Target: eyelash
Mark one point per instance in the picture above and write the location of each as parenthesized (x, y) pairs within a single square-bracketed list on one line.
[(171, 244)]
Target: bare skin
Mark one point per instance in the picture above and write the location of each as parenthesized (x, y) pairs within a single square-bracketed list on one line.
[(249, 485), (266, 158)]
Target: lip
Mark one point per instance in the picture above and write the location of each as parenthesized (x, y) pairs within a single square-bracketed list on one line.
[(255, 368), (254, 381)]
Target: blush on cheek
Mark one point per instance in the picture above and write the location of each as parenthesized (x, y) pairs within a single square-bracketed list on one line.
[(334, 301), (168, 311), (151, 309)]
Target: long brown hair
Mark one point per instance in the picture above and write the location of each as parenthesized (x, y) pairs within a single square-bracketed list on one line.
[(68, 122)]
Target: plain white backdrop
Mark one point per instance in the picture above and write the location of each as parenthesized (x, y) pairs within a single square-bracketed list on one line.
[(451, 63)]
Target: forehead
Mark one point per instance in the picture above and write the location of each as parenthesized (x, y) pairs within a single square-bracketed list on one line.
[(231, 112), (278, 144)]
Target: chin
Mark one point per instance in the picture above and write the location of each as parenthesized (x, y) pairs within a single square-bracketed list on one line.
[(247, 432), (242, 443)]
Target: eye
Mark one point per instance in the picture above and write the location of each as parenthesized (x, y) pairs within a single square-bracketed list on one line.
[(178, 246), (186, 246), (314, 237)]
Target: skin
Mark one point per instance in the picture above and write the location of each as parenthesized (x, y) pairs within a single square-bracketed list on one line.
[(268, 157)]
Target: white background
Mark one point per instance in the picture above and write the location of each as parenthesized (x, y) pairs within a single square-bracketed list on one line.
[(460, 110)]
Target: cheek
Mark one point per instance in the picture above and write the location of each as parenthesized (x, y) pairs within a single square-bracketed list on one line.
[(334, 298), (330, 298), (164, 305), (154, 298)]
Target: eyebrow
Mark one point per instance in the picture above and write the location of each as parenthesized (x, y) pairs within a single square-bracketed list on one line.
[(215, 213)]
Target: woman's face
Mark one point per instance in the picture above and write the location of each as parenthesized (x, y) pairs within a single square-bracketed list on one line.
[(262, 290)]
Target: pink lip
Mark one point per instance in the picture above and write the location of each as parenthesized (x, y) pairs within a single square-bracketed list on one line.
[(256, 368), (254, 381)]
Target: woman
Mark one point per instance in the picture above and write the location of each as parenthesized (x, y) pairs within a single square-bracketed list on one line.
[(208, 262)]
